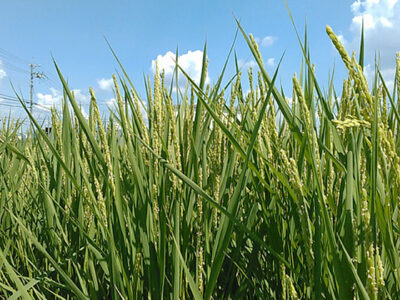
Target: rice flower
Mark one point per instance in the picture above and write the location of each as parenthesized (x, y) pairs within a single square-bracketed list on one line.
[(350, 122), (342, 51)]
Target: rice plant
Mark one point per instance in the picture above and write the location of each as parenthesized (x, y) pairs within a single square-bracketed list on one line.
[(208, 192)]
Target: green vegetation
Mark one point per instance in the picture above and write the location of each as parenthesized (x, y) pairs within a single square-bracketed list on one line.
[(214, 194)]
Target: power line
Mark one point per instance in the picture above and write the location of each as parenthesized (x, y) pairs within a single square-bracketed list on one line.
[(11, 67), (8, 60), (10, 98), (6, 56), (41, 105), (9, 105), (24, 121), (12, 56), (13, 98), (50, 75), (47, 83), (38, 106)]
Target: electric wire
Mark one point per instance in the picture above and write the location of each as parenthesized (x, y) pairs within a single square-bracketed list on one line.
[(10, 98), (12, 56)]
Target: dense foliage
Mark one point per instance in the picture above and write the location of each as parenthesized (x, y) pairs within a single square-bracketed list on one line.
[(210, 192)]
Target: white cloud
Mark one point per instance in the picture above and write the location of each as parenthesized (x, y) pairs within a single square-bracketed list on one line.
[(266, 41), (2, 72), (105, 84), (271, 62), (55, 96), (84, 113), (80, 97), (376, 13), (381, 32), (387, 73), (245, 64), (51, 99), (111, 102), (341, 39), (191, 62)]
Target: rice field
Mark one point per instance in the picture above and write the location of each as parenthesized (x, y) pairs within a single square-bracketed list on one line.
[(208, 193)]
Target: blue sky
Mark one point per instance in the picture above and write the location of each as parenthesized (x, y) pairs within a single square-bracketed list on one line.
[(142, 31)]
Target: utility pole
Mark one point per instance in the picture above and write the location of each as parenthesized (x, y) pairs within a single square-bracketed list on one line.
[(34, 74)]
